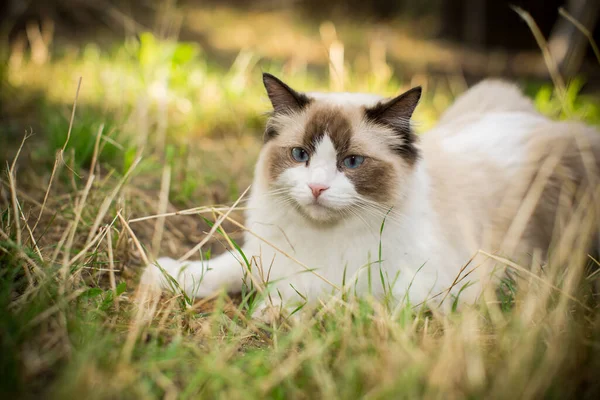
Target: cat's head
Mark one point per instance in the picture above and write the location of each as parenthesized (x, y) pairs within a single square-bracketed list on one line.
[(335, 155)]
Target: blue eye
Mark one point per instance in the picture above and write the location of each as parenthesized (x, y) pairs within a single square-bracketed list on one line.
[(353, 162), (299, 154)]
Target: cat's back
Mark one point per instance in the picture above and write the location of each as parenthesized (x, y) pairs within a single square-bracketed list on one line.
[(484, 157), (490, 95), (497, 137), (494, 124)]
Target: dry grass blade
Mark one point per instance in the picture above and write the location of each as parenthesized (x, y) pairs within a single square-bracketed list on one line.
[(96, 152), (517, 267), (458, 278), (583, 30), (43, 206), (108, 200), (189, 211), (253, 278), (163, 202), (59, 160), (30, 232), (136, 241), (62, 151), (73, 228), (13, 191), (548, 59), (90, 244), (145, 296), (111, 267), (214, 228), (147, 302), (532, 197)]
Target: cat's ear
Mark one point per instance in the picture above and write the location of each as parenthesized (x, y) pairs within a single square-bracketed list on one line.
[(396, 114), (283, 98), (397, 111)]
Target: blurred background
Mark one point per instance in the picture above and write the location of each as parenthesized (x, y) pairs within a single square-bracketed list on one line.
[(178, 82)]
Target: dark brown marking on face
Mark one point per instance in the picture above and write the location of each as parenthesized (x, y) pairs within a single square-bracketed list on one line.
[(332, 122), (408, 150), (270, 133), (374, 179), (279, 159)]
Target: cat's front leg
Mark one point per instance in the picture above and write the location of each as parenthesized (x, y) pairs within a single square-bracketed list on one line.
[(196, 278)]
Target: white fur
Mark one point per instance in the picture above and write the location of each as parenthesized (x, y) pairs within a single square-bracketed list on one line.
[(498, 136), (284, 243)]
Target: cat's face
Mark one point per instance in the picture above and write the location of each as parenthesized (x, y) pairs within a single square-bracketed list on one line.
[(339, 155)]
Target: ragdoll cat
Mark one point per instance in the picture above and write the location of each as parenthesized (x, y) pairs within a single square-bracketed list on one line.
[(344, 191)]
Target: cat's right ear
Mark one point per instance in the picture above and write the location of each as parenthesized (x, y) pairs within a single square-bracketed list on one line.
[(283, 98)]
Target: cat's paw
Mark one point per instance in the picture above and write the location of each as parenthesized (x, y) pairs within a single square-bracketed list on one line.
[(268, 312), (153, 277), (274, 311)]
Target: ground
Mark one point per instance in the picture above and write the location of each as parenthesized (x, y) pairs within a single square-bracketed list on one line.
[(151, 125)]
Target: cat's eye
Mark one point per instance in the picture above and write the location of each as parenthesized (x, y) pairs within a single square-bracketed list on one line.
[(299, 154), (353, 162)]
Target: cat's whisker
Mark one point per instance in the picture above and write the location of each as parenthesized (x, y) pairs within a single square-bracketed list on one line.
[(272, 193), (356, 214), (385, 210), (380, 216)]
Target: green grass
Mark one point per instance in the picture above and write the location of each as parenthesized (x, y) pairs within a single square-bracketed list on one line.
[(74, 329)]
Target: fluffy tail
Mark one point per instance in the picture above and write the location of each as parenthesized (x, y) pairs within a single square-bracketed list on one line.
[(489, 95)]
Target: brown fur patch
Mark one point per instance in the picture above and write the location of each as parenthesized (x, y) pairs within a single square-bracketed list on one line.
[(279, 159), (330, 121), (374, 179)]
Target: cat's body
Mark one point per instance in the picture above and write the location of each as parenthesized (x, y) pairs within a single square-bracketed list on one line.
[(444, 197)]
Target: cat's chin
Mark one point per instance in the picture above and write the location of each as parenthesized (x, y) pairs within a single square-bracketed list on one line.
[(320, 213)]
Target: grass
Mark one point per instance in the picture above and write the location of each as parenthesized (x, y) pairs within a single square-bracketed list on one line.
[(159, 127)]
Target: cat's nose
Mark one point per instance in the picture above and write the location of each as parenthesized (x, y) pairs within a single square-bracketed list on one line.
[(317, 189)]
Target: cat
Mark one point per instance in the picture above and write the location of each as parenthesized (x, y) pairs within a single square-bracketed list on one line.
[(347, 198)]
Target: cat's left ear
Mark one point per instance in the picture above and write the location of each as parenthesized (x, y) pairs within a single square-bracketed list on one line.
[(283, 98), (396, 114), (397, 111)]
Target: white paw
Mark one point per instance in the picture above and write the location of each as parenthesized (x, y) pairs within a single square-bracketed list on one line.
[(268, 312), (272, 311), (153, 277)]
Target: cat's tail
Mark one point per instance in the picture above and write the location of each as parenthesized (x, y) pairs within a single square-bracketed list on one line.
[(488, 96)]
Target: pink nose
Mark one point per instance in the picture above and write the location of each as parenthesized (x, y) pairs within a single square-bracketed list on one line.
[(317, 189)]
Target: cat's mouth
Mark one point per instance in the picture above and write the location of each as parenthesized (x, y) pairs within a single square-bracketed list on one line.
[(319, 211), (319, 205)]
